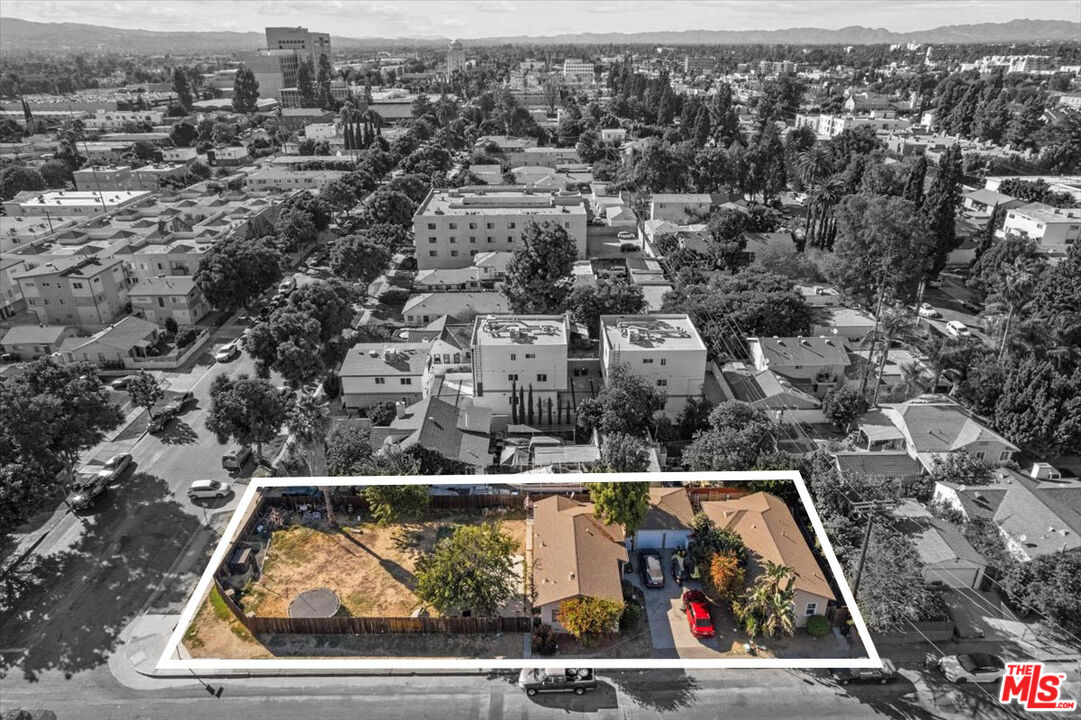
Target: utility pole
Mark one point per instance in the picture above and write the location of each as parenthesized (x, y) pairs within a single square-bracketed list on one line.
[(871, 508)]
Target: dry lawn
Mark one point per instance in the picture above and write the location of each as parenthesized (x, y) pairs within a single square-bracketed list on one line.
[(215, 633), (369, 566)]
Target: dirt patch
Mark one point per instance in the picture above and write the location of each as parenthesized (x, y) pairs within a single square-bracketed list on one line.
[(479, 645), (369, 566), (215, 633)]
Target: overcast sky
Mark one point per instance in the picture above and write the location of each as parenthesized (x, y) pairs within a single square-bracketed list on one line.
[(486, 18)]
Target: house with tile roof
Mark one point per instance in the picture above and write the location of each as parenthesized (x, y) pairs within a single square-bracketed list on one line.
[(574, 555), (460, 432), (948, 558), (1035, 517), (815, 365), (771, 534), (667, 523), (931, 425)]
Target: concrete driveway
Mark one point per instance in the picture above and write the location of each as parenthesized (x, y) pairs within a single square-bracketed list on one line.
[(668, 626)]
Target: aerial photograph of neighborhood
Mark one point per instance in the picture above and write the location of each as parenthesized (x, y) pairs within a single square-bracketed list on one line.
[(535, 359)]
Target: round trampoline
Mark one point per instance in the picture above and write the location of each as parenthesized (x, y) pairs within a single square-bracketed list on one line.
[(318, 603)]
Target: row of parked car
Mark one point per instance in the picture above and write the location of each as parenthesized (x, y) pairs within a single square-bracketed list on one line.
[(694, 603)]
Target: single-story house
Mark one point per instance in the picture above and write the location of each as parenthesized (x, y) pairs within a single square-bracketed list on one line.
[(819, 295), (948, 558), (448, 279), (667, 523), (492, 264), (932, 425), (847, 323), (372, 372), (459, 432), (574, 555), (116, 344), (981, 202), (895, 465), (768, 391), (462, 306), (33, 341), (771, 534)]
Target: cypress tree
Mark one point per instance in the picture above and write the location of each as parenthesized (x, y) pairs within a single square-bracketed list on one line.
[(914, 185)]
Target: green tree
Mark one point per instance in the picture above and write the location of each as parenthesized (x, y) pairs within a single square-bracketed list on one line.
[(55, 174), (323, 77), (183, 134), (389, 206), (914, 184), (843, 405), (588, 303), (940, 207), (709, 540), (182, 88), (587, 618), (245, 409), (347, 447), (308, 422), (144, 391), (1049, 585), (766, 606), (540, 274), (389, 503), (620, 503), (892, 591), (245, 92), (15, 179), (626, 404), (623, 453), (1040, 407), (737, 436), (961, 467), (473, 569), (306, 84), (355, 257), (236, 270)]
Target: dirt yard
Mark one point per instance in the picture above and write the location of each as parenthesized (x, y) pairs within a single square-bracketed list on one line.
[(369, 566), (215, 633)]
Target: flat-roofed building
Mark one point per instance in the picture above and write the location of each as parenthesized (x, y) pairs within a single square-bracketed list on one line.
[(373, 372), (1053, 229), (68, 202), (88, 292), (524, 353), (285, 180), (452, 226), (680, 208), (665, 350)]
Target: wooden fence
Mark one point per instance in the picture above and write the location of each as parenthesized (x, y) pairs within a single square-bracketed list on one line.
[(711, 494), (387, 625), (357, 503)]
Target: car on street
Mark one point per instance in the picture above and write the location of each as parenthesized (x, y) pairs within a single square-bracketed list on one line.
[(160, 421), (9, 357), (957, 328), (115, 466), (558, 680), (122, 382), (696, 607), (969, 306), (235, 460), (884, 674), (208, 490), (649, 564), (927, 310), (227, 352), (180, 404), (628, 247), (972, 667), (679, 568), (86, 487), (287, 285), (625, 235)]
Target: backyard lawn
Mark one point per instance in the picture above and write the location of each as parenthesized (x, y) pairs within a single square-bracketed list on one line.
[(369, 566)]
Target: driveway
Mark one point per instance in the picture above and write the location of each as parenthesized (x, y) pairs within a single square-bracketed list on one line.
[(672, 636)]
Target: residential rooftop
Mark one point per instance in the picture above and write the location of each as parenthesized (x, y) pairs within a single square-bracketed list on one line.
[(480, 199), (77, 198), (639, 332), (1047, 214), (520, 330)]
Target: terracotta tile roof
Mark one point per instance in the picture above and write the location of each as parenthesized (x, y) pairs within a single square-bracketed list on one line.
[(574, 553)]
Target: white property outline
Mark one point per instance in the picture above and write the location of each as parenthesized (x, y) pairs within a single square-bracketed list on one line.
[(170, 661)]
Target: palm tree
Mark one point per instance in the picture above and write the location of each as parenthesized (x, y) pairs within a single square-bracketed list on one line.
[(309, 422), (813, 163), (767, 606), (1014, 288), (912, 382), (824, 200)]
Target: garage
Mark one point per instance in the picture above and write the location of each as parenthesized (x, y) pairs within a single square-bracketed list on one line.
[(667, 523), (660, 539)]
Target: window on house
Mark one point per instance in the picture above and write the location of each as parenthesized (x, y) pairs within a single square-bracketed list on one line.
[(472, 226), (406, 381), (811, 609), (513, 357), (664, 361), (161, 302), (530, 356), (453, 239), (647, 361), (510, 226), (380, 381), (1004, 456), (662, 383), (489, 226), (454, 253), (542, 377), (433, 253), (980, 455), (432, 240), (77, 285)]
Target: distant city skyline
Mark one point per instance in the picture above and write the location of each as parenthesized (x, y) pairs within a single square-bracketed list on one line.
[(493, 18)]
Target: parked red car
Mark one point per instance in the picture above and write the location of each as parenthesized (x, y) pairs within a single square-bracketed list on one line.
[(695, 606)]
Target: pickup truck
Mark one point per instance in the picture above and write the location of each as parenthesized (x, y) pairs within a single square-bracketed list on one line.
[(537, 680)]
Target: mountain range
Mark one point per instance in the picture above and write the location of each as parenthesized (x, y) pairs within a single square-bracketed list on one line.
[(23, 36)]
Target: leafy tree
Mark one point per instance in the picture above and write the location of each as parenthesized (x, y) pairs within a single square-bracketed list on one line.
[(620, 503), (726, 575), (623, 453), (388, 503), (388, 236), (473, 569), (382, 413), (389, 206), (1040, 407), (183, 134), (182, 88), (914, 184), (540, 274), (587, 617), (236, 270), (766, 607), (626, 404), (306, 84), (55, 174), (940, 206), (738, 435), (892, 591), (709, 540), (144, 391), (308, 422), (842, 405), (587, 304), (1049, 585), (961, 467), (15, 179), (295, 230), (245, 91), (323, 81), (245, 409), (347, 446), (981, 386), (355, 257)]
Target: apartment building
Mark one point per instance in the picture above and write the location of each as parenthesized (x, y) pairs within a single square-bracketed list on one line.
[(1053, 229), (66, 203), (116, 119), (665, 350), (300, 40), (680, 208), (452, 226), (576, 70), (124, 177), (525, 353), (87, 292), (543, 157), (161, 298), (284, 180)]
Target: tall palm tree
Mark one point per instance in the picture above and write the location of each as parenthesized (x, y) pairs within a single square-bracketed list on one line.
[(824, 200), (309, 422), (813, 164), (767, 605), (1014, 288)]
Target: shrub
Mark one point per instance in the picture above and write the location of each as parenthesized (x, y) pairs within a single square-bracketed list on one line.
[(185, 337), (382, 413), (726, 576), (170, 326), (588, 617), (817, 626), (630, 617), (544, 640), (394, 296), (332, 385)]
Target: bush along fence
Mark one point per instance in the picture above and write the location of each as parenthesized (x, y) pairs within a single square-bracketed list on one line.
[(386, 625)]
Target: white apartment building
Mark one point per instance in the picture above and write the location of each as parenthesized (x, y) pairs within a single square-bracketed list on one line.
[(577, 70), (543, 157), (1053, 229), (827, 125), (452, 226), (116, 119), (282, 180), (519, 351), (666, 350), (65, 203), (680, 208)]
